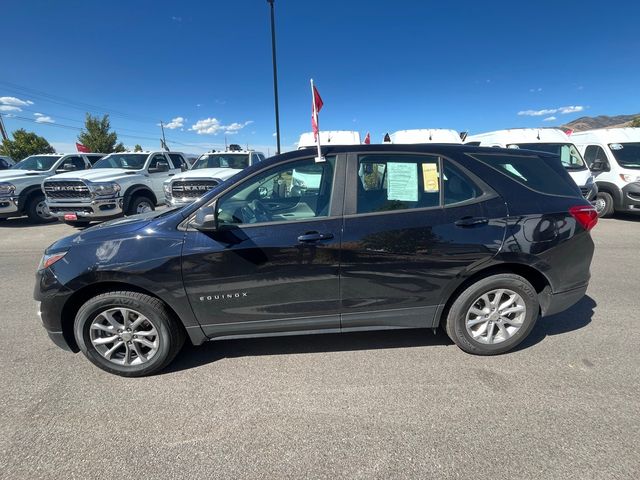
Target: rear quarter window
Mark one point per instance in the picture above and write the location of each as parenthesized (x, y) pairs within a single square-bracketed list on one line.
[(544, 174)]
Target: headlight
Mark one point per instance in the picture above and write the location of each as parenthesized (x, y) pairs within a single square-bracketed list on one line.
[(49, 259), (104, 188), (167, 188), (7, 188), (629, 178)]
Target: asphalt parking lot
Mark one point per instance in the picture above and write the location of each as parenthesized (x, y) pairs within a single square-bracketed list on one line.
[(404, 404)]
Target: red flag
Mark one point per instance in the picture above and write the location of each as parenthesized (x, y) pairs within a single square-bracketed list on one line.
[(367, 139), (316, 106), (81, 148)]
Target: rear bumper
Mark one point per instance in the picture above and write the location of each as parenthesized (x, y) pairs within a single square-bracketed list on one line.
[(552, 303), (87, 209)]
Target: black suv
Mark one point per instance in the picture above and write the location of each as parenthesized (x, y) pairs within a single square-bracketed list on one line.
[(480, 241)]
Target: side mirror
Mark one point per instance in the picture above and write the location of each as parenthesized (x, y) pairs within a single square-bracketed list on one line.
[(206, 219), (600, 166), (161, 166), (184, 167)]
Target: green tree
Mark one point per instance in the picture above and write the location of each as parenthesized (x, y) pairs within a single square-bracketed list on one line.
[(97, 137), (24, 144), (137, 148), (635, 122)]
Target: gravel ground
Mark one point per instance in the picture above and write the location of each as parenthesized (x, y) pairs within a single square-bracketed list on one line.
[(403, 404)]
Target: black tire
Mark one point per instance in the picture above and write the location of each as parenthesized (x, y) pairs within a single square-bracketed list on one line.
[(77, 224), (170, 336), (456, 317), (34, 210), (136, 201), (604, 204)]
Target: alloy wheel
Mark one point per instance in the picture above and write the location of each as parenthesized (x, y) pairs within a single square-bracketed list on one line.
[(495, 316), (124, 336)]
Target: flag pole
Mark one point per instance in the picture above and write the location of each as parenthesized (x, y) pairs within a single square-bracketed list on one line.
[(317, 120)]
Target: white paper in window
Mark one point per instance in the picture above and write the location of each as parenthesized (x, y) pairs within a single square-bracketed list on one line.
[(402, 181)]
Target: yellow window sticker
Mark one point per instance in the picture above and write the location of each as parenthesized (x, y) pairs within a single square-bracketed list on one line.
[(430, 177)]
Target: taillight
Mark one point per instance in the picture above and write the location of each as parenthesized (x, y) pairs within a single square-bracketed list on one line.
[(585, 215)]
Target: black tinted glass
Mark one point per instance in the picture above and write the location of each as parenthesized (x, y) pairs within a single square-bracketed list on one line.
[(543, 174)]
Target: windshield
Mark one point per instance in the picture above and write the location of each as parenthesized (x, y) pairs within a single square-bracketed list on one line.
[(129, 161), (40, 163), (222, 160), (627, 154), (569, 155)]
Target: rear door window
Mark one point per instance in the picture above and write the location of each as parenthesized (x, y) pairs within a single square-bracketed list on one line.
[(397, 182), (456, 186), (543, 174)]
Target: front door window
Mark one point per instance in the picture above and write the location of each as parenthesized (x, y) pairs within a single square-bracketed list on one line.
[(295, 191)]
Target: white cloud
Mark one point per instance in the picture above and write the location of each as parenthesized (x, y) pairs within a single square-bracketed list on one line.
[(550, 111), (177, 122), (212, 126), (549, 119), (15, 102), (535, 89), (176, 19), (571, 109), (41, 118), (9, 108)]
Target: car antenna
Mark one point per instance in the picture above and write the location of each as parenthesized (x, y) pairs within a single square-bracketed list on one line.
[(538, 134)]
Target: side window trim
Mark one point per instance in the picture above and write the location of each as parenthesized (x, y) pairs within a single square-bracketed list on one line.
[(336, 201), (351, 188)]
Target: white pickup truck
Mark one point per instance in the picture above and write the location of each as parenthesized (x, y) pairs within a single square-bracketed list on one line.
[(208, 171), (123, 183), (20, 185)]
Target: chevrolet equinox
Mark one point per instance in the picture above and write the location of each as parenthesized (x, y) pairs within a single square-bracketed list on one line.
[(480, 241)]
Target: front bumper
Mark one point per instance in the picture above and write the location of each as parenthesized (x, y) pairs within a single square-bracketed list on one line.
[(86, 209), (9, 207), (179, 202), (51, 296), (631, 197)]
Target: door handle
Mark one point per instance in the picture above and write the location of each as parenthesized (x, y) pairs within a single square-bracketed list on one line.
[(171, 174), (311, 237), (471, 221)]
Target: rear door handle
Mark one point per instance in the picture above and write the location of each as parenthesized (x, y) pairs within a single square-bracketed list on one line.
[(471, 221), (311, 237)]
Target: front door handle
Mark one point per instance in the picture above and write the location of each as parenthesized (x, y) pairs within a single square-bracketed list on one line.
[(171, 174), (311, 237), (471, 221)]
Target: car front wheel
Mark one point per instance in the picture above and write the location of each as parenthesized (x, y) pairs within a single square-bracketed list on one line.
[(127, 333), (604, 204), (493, 315)]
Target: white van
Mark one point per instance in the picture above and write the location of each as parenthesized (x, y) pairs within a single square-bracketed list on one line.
[(329, 138), (613, 154), (551, 140), (426, 135)]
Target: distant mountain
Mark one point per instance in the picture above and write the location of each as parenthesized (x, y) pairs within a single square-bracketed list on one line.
[(601, 121)]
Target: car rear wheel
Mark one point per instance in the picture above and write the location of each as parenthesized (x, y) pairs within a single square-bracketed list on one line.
[(604, 204), (37, 210), (493, 315), (140, 204), (127, 333)]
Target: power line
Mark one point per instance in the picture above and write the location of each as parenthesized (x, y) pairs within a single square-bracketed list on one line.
[(71, 103), (78, 129)]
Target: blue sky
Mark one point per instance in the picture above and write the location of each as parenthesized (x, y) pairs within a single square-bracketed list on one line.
[(379, 66)]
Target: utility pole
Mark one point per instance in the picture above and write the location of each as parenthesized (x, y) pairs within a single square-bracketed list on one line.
[(275, 75), (3, 131), (164, 141)]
